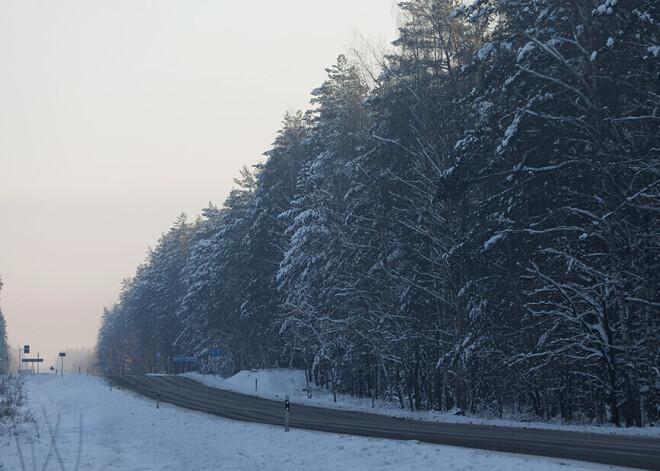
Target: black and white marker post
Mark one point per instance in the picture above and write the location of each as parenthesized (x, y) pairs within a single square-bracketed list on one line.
[(157, 399), (287, 408)]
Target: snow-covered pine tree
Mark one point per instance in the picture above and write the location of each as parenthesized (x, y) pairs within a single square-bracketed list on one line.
[(311, 275), (404, 172), (215, 276), (569, 151), (265, 242)]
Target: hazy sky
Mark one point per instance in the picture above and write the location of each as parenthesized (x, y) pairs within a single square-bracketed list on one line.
[(117, 115)]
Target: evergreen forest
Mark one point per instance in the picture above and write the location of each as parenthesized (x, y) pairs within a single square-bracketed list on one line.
[(473, 222)]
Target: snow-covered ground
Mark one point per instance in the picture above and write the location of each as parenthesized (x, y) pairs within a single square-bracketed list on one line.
[(118, 430), (274, 384)]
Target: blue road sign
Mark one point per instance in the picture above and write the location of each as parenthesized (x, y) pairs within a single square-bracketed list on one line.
[(184, 358), (215, 352), (158, 355)]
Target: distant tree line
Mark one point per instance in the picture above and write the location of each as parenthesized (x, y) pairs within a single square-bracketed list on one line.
[(4, 345), (476, 224)]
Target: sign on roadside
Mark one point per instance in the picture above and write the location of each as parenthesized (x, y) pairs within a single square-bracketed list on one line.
[(184, 358), (215, 352)]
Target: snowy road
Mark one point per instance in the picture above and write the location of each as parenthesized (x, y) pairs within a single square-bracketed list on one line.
[(96, 429), (609, 449)]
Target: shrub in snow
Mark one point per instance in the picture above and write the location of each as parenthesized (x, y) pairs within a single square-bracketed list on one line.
[(13, 399)]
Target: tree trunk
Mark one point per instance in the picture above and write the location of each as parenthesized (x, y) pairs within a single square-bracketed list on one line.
[(334, 390)]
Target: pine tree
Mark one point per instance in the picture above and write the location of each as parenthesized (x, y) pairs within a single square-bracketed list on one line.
[(570, 155), (265, 241), (311, 274), (215, 276)]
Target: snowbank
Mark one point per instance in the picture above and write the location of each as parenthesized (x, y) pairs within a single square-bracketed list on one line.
[(274, 384), (270, 384)]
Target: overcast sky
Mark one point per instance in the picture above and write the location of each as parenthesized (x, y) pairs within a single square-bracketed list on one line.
[(117, 115)]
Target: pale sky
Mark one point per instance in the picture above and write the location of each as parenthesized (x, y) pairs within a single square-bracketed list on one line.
[(117, 115)]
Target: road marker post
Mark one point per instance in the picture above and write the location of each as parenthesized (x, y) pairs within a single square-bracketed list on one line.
[(157, 399), (287, 409), (255, 384), (110, 385)]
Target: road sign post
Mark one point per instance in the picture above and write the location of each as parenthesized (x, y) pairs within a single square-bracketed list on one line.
[(214, 351), (25, 349), (62, 355)]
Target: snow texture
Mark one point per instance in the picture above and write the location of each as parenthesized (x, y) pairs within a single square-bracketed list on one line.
[(123, 431), (492, 241)]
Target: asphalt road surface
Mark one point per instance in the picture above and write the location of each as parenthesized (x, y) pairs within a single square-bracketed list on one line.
[(636, 452)]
